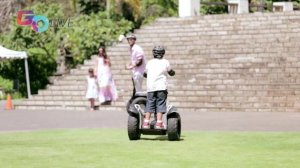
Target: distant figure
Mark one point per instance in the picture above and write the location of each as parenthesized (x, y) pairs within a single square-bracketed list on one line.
[(107, 88), (92, 89), (138, 62)]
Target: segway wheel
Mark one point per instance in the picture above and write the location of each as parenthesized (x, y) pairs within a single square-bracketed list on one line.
[(140, 101), (174, 129), (133, 128)]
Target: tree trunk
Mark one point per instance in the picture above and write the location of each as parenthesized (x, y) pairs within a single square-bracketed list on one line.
[(7, 9)]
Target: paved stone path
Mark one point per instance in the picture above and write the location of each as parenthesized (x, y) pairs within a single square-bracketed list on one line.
[(17, 120)]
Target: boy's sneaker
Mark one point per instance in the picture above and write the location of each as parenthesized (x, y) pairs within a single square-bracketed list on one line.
[(159, 125), (146, 124)]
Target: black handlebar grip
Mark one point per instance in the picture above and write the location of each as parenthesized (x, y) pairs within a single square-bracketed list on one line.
[(171, 72)]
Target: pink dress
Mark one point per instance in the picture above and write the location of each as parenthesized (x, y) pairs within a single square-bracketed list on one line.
[(107, 87)]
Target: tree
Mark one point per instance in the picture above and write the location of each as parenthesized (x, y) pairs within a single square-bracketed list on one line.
[(214, 8), (41, 49), (88, 31), (152, 9), (6, 11), (91, 6), (142, 12)]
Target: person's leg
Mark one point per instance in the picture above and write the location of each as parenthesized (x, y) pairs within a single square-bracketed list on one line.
[(147, 116), (146, 122), (107, 94), (159, 116), (138, 81), (159, 123), (101, 95), (150, 108), (92, 102), (161, 106), (110, 94)]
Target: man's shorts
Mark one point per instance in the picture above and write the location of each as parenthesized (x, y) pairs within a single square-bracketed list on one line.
[(157, 101)]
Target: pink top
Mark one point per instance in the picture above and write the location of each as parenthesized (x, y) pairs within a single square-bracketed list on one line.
[(136, 53)]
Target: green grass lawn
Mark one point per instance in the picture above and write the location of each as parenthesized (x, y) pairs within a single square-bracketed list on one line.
[(110, 148)]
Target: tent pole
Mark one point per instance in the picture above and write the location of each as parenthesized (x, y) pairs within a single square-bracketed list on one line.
[(27, 78)]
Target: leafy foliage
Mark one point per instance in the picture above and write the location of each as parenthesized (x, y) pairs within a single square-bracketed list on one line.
[(88, 31), (82, 39), (91, 6), (142, 12), (126, 9), (5, 84), (40, 47), (214, 9), (152, 9)]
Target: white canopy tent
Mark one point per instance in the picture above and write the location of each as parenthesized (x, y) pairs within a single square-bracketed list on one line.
[(6, 54)]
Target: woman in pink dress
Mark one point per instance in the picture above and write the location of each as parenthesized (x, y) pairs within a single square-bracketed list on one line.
[(107, 88)]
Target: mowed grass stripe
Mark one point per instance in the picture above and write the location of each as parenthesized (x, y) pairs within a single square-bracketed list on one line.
[(94, 148)]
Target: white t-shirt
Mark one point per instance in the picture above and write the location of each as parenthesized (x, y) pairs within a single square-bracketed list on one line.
[(157, 70)]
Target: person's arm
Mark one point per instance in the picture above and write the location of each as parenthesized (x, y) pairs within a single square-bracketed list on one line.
[(139, 61), (108, 62), (87, 83), (136, 64), (97, 84), (145, 72), (140, 56), (128, 66), (96, 68), (171, 72)]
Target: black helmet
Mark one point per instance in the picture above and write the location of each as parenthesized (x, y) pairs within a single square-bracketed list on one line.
[(131, 36), (158, 52)]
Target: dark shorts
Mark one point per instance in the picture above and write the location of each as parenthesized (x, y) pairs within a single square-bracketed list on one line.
[(157, 101)]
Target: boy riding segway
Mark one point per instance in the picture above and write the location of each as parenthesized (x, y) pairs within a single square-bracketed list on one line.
[(157, 93)]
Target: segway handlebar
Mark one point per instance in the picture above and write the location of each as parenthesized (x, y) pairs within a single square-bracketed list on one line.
[(171, 72)]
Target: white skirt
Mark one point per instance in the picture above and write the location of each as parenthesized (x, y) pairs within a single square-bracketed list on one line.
[(92, 93)]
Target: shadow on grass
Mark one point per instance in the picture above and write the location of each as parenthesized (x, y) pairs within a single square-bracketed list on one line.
[(159, 138)]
